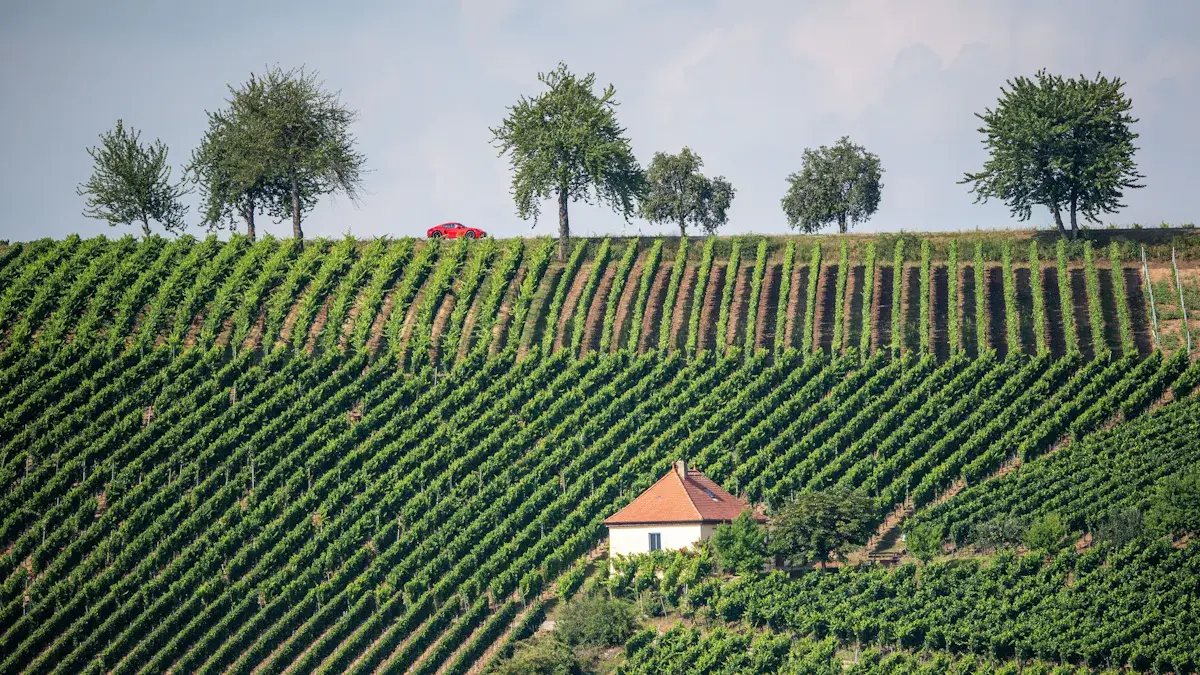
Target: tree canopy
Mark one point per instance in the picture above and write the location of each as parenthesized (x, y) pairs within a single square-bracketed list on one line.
[(234, 177), (741, 545), (814, 525), (839, 184), (131, 183), (1066, 144), (678, 193), (566, 142), (282, 144)]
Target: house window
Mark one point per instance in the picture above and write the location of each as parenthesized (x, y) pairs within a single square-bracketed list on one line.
[(655, 541)]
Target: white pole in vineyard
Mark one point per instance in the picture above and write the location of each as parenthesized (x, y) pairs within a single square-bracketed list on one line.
[(1150, 290), (1182, 308)]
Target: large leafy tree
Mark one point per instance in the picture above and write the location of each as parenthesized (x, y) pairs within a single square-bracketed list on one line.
[(283, 143), (678, 193), (566, 142), (814, 525), (131, 183), (741, 545), (1066, 144), (233, 173), (839, 184)]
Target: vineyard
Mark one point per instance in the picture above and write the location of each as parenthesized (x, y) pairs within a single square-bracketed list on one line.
[(343, 456)]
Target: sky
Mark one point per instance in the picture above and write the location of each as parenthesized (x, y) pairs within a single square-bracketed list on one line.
[(747, 84)]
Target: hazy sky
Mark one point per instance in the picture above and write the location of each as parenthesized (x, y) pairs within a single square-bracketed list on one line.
[(747, 84)]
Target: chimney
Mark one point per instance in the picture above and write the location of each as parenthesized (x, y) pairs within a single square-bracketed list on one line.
[(681, 469)]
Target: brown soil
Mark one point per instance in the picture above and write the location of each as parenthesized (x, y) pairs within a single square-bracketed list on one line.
[(823, 319), (410, 317), (226, 332), (1083, 324), (711, 308), (375, 336), (768, 308), (137, 324), (911, 298), (997, 332), (940, 307), (535, 320), (651, 317), (193, 331), (468, 328), (440, 321), (795, 303), (254, 335), (682, 308), (289, 322), (970, 307), (1023, 282), (318, 324), (852, 329), (881, 322), (594, 324), (351, 317), (1139, 310), (625, 304), (737, 309), (1108, 309), (1055, 331), (562, 335), (500, 327)]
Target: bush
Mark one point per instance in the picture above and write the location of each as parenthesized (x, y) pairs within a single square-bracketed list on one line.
[(596, 621), (1175, 506), (924, 541), (998, 532), (543, 656), (741, 546), (1047, 534), (1119, 527)]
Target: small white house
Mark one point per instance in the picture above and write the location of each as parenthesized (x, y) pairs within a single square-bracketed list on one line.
[(682, 508)]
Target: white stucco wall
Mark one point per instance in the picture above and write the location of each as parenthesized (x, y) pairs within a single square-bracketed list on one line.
[(627, 539)]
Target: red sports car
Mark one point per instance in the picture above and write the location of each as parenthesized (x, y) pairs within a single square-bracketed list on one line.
[(454, 231)]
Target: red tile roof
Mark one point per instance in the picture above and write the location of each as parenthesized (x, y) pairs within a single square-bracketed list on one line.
[(675, 499)]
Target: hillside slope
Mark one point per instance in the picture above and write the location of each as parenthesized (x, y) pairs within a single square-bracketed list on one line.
[(343, 456), (439, 302)]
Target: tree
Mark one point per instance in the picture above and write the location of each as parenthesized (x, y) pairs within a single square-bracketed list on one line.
[(1175, 506), (541, 656), (1058, 143), (566, 142), (924, 541), (233, 173), (839, 185), (1120, 526), (131, 183), (596, 621), (1047, 534), (741, 545), (678, 193), (814, 525), (283, 143)]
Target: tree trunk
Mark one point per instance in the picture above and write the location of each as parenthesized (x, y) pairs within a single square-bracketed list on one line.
[(248, 215), (564, 226), (842, 223), (145, 227), (296, 231), (1058, 221), (682, 228), (1074, 223)]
